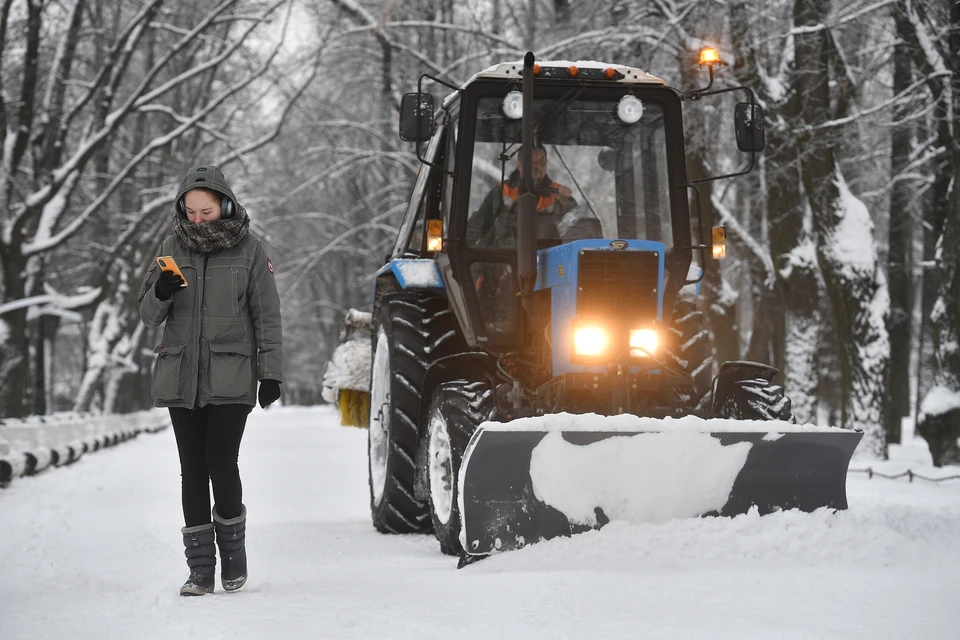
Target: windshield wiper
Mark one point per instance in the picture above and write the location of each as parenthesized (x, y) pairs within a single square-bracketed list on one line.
[(576, 184)]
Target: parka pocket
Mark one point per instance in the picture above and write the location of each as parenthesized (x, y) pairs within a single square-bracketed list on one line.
[(231, 374), (224, 291), (166, 373)]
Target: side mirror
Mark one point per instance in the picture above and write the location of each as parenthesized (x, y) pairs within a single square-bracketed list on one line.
[(416, 117), (748, 121)]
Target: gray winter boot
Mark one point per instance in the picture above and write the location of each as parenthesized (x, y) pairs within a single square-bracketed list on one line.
[(201, 558), (231, 535)]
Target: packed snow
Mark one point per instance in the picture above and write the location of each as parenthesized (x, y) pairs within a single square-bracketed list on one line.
[(589, 422), (419, 273), (692, 471), (349, 367), (853, 241), (939, 400), (93, 550)]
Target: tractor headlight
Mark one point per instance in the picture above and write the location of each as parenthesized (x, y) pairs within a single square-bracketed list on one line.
[(590, 341), (513, 105), (643, 342), (630, 109)]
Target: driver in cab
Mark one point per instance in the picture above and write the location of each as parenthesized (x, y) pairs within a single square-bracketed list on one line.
[(494, 224)]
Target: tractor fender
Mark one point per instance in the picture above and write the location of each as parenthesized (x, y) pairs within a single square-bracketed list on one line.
[(402, 274), (413, 273)]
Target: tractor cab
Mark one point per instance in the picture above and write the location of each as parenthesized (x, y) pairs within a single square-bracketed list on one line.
[(607, 164)]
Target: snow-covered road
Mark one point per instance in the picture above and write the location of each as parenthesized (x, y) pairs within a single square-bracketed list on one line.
[(93, 551)]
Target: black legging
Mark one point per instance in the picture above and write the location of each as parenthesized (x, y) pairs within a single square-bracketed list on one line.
[(209, 442)]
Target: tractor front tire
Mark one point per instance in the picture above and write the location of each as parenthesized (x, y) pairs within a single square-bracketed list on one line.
[(456, 410), (412, 330)]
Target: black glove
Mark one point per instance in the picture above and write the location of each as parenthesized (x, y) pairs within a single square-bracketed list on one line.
[(167, 285), (269, 392)]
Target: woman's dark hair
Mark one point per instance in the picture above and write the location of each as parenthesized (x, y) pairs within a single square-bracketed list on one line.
[(216, 194)]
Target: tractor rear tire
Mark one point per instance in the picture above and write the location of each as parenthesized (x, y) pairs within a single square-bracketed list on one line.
[(455, 412), (693, 352), (412, 330), (756, 399)]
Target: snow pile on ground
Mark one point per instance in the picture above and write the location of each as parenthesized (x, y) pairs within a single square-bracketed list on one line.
[(64, 427), (939, 400), (93, 551)]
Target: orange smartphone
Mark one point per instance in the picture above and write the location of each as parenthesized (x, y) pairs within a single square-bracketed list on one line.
[(167, 263)]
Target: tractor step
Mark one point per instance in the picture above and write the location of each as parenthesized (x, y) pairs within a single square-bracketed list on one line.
[(519, 486)]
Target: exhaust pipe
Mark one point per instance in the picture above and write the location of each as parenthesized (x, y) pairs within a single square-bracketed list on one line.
[(526, 212)]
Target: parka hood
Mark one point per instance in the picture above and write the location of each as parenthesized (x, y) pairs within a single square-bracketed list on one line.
[(209, 177)]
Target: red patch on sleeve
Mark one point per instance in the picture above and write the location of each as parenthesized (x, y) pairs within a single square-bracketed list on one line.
[(270, 266)]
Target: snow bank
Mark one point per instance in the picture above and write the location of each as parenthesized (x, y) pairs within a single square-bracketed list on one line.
[(39, 442), (591, 422), (656, 478), (65, 427), (939, 400)]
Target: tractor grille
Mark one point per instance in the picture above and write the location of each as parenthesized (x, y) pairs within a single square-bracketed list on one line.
[(618, 284)]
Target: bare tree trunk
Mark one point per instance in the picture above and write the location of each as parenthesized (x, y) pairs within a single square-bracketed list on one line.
[(845, 251), (38, 399), (786, 319), (899, 256), (14, 351), (909, 21), (797, 288), (940, 410)]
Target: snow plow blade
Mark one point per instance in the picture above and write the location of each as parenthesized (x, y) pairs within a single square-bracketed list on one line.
[(519, 486)]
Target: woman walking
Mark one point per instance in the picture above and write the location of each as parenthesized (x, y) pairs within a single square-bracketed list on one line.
[(222, 335)]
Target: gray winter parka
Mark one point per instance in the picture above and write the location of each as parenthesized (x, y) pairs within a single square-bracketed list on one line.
[(223, 330)]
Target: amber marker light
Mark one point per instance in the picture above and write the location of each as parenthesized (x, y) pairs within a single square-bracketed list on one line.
[(709, 57), (434, 235), (719, 237), (610, 73), (536, 69), (573, 71)]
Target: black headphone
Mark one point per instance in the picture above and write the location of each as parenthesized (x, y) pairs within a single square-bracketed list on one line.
[(227, 206)]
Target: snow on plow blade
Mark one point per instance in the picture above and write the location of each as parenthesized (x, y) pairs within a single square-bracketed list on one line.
[(525, 481)]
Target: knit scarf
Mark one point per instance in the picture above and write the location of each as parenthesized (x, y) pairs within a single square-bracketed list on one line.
[(211, 236)]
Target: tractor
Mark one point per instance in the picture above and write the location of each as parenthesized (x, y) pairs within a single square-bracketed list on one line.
[(536, 332)]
